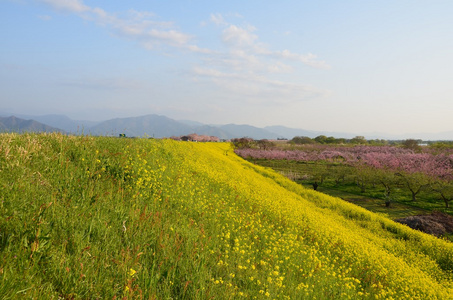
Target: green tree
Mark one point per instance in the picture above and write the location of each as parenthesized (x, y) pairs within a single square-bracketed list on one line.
[(414, 182), (302, 140), (265, 144), (388, 180), (243, 142), (339, 172), (412, 144), (363, 176), (321, 172), (321, 139), (331, 140), (445, 190), (358, 140)]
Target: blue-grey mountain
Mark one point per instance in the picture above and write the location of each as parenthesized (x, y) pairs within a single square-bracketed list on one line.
[(14, 124)]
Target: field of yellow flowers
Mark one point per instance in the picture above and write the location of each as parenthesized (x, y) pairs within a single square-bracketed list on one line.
[(94, 217)]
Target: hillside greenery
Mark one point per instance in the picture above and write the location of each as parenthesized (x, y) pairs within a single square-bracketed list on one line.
[(94, 217)]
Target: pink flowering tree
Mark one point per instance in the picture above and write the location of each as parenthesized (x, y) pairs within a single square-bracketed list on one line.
[(384, 165)]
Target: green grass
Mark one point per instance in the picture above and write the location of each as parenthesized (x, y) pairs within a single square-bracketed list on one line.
[(76, 223), (105, 218)]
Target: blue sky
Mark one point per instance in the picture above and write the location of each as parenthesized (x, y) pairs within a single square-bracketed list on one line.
[(349, 66)]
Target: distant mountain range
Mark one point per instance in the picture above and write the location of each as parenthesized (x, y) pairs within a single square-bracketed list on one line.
[(58, 121), (160, 126), (14, 124), (150, 125)]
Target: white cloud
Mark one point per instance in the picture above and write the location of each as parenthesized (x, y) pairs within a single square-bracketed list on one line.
[(259, 89), (218, 19), (170, 36), (245, 66), (239, 37), (135, 25), (102, 14), (279, 67), (244, 51), (75, 6), (243, 37), (308, 59), (139, 15), (196, 49)]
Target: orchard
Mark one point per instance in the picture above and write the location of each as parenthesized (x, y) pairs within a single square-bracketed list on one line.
[(414, 170)]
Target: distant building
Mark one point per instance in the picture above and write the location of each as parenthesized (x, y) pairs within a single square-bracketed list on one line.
[(196, 138)]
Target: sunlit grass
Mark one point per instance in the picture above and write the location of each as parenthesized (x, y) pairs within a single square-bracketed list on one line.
[(85, 217)]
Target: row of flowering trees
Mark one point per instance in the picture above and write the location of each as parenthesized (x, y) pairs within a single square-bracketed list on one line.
[(384, 165)]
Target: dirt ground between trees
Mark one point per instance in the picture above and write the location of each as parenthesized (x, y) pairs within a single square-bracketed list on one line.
[(436, 223)]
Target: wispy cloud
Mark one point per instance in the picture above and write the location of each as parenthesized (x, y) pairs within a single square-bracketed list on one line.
[(244, 65), (136, 25), (74, 6), (238, 37), (308, 59), (259, 89), (249, 67), (243, 37), (218, 19), (241, 42)]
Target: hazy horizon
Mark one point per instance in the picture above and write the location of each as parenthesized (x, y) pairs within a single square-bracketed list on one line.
[(346, 66), (283, 131)]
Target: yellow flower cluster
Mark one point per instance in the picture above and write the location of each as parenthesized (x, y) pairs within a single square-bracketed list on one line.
[(270, 238)]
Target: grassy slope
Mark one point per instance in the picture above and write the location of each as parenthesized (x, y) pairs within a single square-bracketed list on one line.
[(85, 217)]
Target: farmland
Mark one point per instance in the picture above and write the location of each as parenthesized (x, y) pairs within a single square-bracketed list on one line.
[(94, 217)]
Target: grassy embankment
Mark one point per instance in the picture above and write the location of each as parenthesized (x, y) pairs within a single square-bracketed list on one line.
[(86, 217)]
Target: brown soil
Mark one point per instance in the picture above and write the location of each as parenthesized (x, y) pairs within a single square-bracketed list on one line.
[(437, 223)]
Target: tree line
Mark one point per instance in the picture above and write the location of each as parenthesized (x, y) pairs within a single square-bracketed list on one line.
[(414, 144)]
